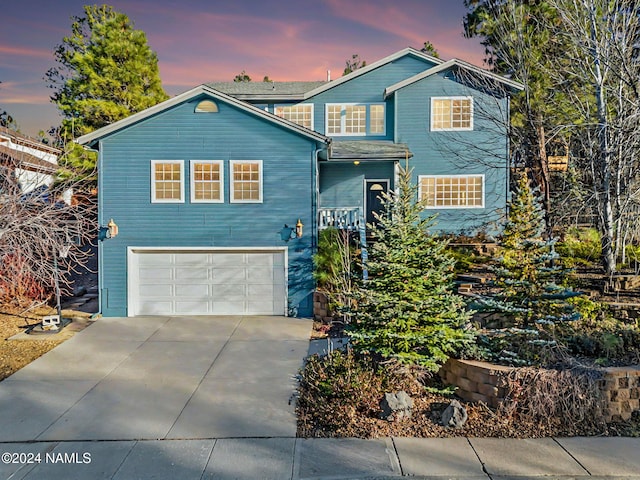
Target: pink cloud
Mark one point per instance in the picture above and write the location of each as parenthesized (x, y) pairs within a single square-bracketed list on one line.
[(13, 92), (414, 25), (24, 51)]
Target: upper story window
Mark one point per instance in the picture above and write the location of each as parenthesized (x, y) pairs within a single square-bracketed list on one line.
[(451, 191), (167, 181), (355, 119), (206, 106), (207, 181), (246, 181), (302, 114), (451, 113)]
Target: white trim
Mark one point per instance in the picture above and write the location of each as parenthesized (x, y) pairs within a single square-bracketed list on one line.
[(364, 188), (153, 181), (372, 66), (367, 119), (285, 105), (445, 66), (454, 97), (133, 270), (384, 119), (192, 180), (188, 95), (231, 181), (452, 207)]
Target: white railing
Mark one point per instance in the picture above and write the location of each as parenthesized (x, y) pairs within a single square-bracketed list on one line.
[(349, 218)]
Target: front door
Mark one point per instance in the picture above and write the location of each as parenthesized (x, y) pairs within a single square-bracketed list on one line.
[(373, 190)]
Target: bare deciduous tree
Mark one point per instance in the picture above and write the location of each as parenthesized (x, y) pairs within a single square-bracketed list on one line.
[(603, 38), (40, 233)]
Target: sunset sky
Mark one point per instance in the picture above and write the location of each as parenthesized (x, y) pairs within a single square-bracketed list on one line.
[(200, 41)]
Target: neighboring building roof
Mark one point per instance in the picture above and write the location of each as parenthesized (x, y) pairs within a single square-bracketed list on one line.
[(266, 90), (368, 149), (450, 64), (24, 140), (93, 137), (25, 161), (372, 66)]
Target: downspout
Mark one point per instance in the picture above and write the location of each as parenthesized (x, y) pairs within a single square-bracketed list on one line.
[(315, 197), (100, 269)]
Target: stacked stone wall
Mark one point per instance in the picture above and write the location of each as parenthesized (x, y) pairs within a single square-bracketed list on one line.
[(487, 383)]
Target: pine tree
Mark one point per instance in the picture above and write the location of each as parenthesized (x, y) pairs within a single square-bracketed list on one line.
[(528, 274), (106, 72), (406, 309)]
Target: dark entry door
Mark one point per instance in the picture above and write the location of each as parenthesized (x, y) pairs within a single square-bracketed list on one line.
[(373, 197)]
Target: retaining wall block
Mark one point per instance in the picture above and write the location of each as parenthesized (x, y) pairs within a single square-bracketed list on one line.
[(489, 390), (466, 384)]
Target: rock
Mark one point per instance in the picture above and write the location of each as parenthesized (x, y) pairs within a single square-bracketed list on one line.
[(396, 406), (455, 415)]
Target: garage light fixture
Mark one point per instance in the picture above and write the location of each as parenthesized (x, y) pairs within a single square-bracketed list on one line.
[(110, 231), (287, 232)]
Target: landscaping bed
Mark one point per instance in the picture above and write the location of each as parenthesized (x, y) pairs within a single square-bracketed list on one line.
[(340, 397)]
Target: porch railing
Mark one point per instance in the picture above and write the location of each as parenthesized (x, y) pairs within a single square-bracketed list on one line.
[(349, 218)]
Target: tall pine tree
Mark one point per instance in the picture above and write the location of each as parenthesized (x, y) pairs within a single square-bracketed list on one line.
[(406, 309), (106, 72)]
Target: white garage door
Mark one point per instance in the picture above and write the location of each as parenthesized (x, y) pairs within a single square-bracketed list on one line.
[(207, 282)]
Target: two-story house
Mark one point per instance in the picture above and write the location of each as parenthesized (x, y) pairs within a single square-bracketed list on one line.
[(219, 193)]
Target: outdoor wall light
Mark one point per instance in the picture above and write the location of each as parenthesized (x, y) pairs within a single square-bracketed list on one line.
[(287, 232), (110, 231)]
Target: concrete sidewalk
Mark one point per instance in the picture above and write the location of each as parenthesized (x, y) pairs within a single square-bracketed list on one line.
[(290, 458)]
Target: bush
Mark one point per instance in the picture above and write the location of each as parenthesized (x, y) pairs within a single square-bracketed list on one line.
[(18, 287), (580, 246), (600, 336), (334, 267), (339, 387)]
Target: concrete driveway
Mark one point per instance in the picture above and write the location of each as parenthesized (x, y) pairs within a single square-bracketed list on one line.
[(147, 378)]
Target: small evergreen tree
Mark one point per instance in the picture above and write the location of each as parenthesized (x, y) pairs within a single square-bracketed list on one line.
[(530, 287), (406, 309), (527, 274)]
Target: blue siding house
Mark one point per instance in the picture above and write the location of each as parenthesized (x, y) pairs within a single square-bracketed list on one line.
[(219, 193)]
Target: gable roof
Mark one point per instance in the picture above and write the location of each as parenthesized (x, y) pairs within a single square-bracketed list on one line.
[(372, 66), (266, 90), (454, 62), (93, 137)]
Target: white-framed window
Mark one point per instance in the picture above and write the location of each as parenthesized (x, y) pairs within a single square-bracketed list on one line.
[(451, 191), (302, 114), (207, 181), (246, 181), (451, 113), (354, 119), (167, 181), (376, 119)]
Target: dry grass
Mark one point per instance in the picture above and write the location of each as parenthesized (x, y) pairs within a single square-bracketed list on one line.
[(15, 354)]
